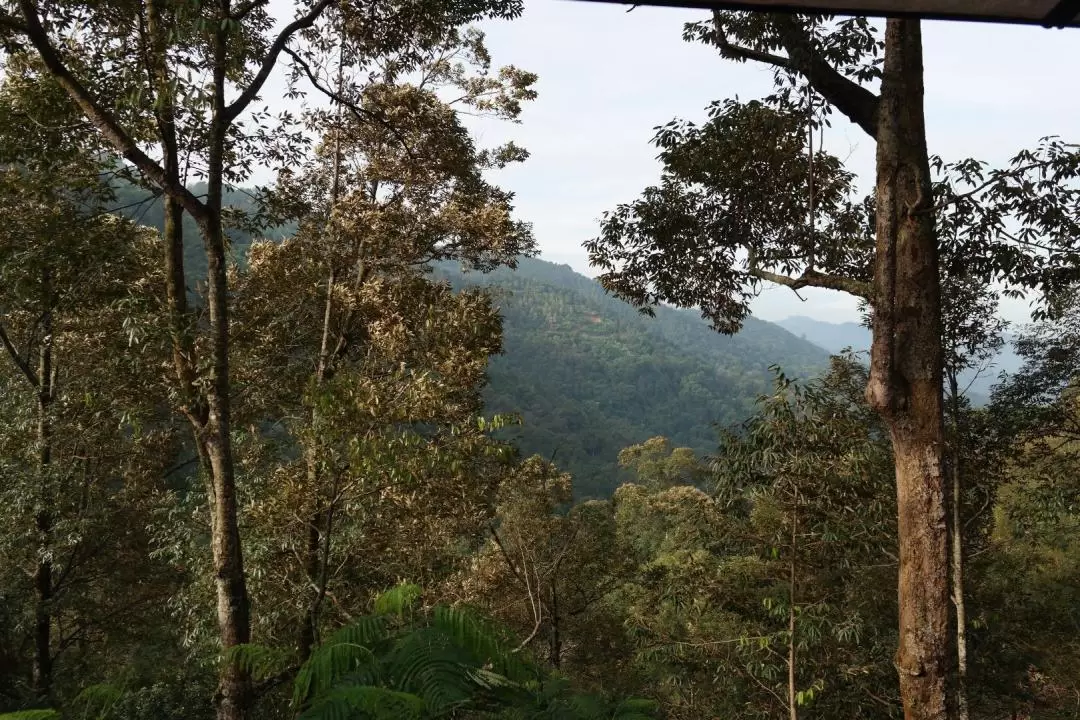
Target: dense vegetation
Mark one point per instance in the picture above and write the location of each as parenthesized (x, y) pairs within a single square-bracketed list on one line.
[(587, 374), (255, 473), (590, 375)]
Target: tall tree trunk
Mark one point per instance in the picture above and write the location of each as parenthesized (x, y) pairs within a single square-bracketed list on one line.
[(180, 330), (957, 554), (317, 562), (43, 580), (234, 696), (905, 370)]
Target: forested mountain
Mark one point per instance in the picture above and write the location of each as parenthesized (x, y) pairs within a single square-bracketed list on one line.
[(834, 337), (590, 375)]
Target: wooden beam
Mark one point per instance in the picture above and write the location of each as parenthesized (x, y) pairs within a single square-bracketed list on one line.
[(1046, 13)]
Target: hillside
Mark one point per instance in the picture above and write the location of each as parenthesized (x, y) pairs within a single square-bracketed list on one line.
[(590, 375), (834, 337)]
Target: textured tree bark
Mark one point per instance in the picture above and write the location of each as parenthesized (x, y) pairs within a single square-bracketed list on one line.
[(233, 606), (905, 370)]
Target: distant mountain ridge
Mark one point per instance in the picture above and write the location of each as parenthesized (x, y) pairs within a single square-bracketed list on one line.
[(835, 337), (591, 375)]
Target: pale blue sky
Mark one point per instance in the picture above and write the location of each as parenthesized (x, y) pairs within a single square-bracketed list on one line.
[(608, 77)]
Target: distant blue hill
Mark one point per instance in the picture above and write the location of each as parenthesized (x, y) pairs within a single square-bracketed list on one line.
[(835, 337)]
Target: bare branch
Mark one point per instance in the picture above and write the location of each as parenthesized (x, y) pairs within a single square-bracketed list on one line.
[(270, 61), (23, 366), (360, 112), (813, 278)]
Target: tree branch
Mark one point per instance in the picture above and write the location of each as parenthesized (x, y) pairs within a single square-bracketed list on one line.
[(360, 112), (247, 8), (102, 119), (852, 99), (813, 278), (23, 366), (997, 176), (738, 52), (270, 61)]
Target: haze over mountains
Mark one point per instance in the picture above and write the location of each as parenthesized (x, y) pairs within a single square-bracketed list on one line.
[(835, 337)]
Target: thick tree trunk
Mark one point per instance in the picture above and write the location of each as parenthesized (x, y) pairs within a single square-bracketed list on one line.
[(234, 697), (43, 580), (957, 554), (905, 375)]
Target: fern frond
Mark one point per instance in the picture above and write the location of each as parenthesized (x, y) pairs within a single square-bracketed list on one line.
[(258, 661), (398, 600), (348, 650), (31, 715), (486, 643), (378, 703), (98, 700), (425, 663)]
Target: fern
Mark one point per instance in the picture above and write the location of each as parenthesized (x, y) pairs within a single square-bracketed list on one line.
[(258, 661), (485, 641), (426, 663), (31, 715), (398, 600), (98, 701), (401, 664), (343, 703), (350, 650)]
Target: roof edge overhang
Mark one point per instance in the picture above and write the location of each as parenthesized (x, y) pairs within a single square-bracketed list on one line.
[(1062, 14)]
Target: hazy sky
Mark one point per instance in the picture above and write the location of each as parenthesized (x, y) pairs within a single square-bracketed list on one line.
[(608, 77)]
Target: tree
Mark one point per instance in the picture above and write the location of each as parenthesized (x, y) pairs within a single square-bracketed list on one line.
[(812, 465), (971, 337), (184, 114), (658, 466), (375, 373), (547, 571), (734, 210), (82, 421)]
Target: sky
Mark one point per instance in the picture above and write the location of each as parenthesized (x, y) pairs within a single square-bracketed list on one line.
[(607, 77)]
